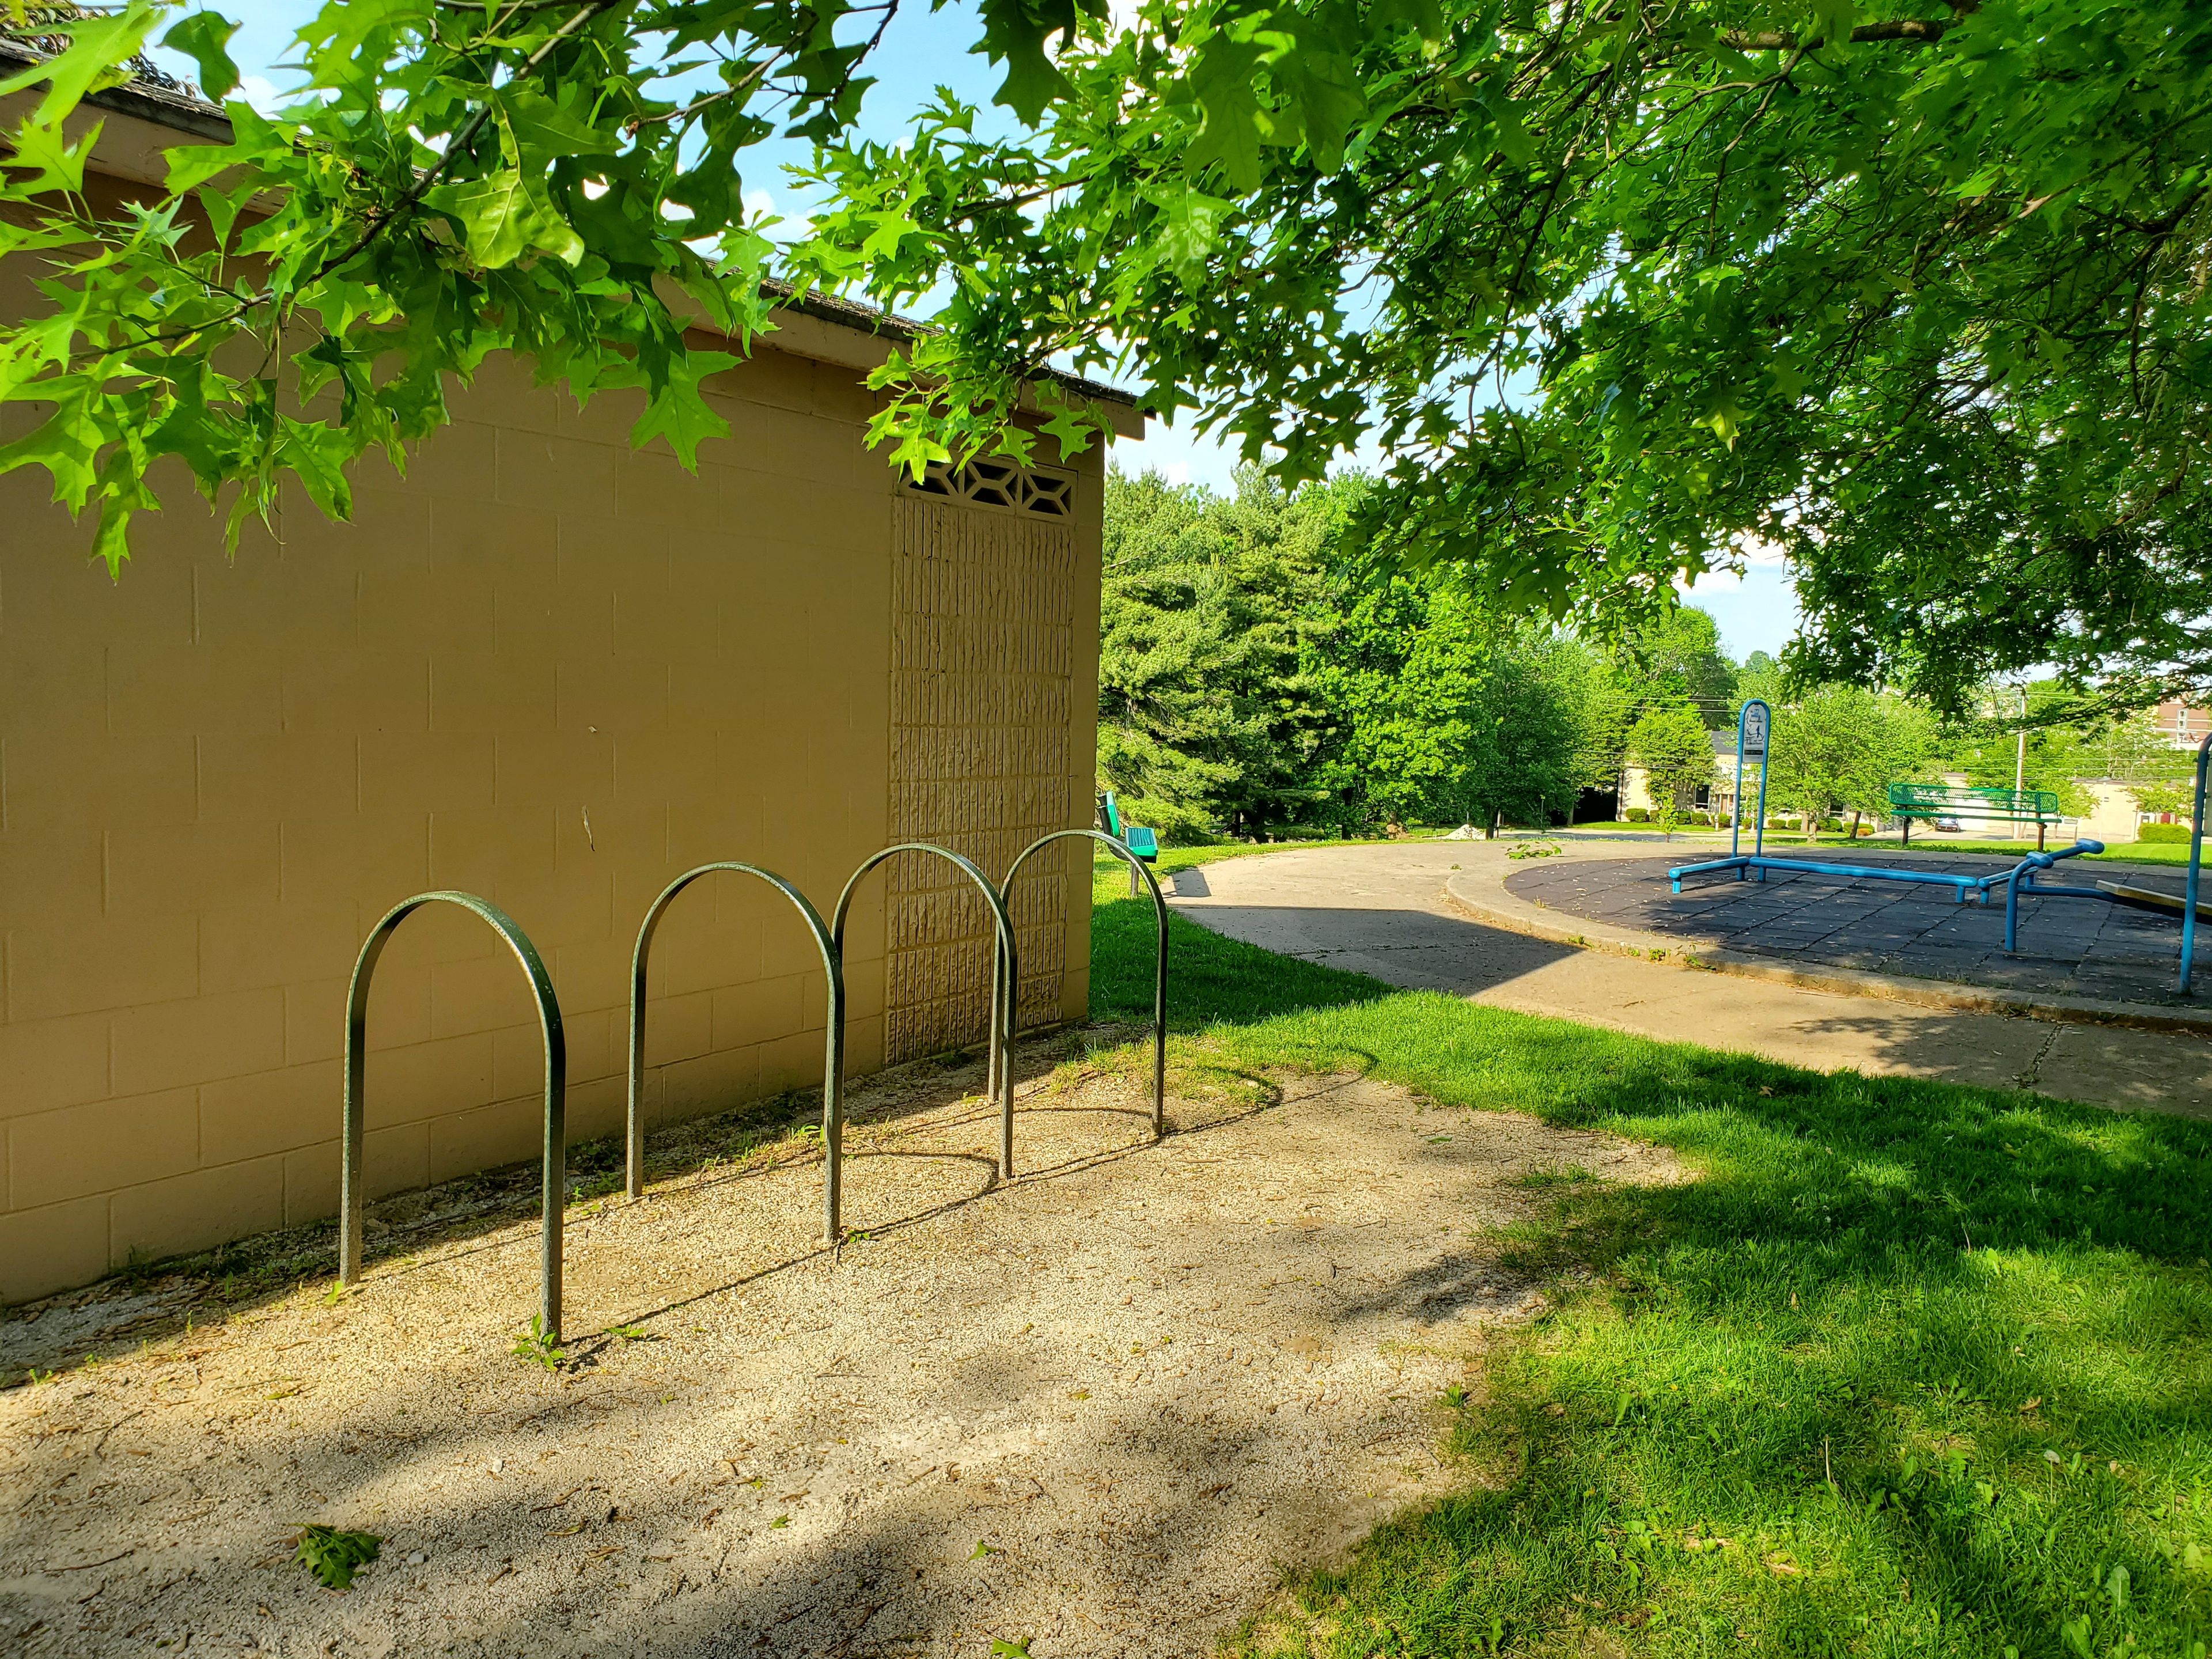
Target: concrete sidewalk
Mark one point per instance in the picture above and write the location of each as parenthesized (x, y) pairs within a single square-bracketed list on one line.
[(1383, 911)]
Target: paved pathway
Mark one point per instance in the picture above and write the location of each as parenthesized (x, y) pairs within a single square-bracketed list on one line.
[(1382, 910), (2068, 947)]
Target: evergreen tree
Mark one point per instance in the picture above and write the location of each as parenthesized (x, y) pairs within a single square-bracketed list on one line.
[(1206, 717)]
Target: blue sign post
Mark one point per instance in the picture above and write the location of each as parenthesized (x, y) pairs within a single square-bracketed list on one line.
[(2195, 869), (1753, 724)]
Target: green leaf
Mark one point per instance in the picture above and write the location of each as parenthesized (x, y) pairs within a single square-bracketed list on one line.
[(1015, 33), (66, 443), (203, 37), (318, 455), (334, 1555), (505, 214), (111, 541), (678, 412), (1424, 17), (1071, 428), (254, 141), (542, 128), (1223, 81), (1191, 233), (1833, 20), (60, 165), (1325, 86)]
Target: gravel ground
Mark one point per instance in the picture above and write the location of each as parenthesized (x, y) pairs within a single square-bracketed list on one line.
[(1097, 1410)]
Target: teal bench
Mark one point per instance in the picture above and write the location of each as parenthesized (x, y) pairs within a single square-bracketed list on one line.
[(1135, 836), (1929, 801)]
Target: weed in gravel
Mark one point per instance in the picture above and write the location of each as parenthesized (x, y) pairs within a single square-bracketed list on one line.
[(334, 1555), (538, 1346)]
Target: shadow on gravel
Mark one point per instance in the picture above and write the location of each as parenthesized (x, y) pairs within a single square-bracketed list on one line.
[(158, 1299)]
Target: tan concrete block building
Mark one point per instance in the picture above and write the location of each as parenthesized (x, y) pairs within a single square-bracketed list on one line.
[(549, 670)]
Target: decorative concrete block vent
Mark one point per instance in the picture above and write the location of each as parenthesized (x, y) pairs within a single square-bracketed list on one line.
[(548, 670)]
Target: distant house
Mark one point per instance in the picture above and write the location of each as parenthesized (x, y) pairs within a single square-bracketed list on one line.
[(2181, 724), (1719, 795)]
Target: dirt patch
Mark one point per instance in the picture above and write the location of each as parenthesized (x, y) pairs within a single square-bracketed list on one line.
[(1096, 1410)]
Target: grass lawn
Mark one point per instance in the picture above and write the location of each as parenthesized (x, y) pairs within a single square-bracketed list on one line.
[(1910, 1369)]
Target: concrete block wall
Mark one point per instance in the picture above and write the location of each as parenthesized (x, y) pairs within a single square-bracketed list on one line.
[(543, 668)]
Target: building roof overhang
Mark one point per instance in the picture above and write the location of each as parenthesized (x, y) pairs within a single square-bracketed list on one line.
[(142, 119)]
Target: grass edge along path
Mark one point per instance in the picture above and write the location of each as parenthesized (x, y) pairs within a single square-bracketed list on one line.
[(1911, 1369)]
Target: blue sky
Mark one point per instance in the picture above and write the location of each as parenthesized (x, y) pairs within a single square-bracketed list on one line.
[(921, 51)]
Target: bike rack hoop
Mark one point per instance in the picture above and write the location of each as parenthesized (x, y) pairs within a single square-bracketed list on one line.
[(1138, 867), (1001, 1069), (833, 1060), (554, 1196)]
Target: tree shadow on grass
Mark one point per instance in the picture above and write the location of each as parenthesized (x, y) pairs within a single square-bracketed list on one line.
[(1909, 1368)]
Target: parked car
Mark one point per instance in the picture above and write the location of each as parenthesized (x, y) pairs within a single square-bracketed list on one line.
[(1948, 826)]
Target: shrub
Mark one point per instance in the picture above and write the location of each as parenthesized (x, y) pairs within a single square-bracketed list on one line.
[(1176, 825), (1639, 815), (2167, 832)]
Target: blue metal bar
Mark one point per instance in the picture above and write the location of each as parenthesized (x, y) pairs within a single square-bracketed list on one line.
[(1737, 863), (2195, 868), (1736, 811), (2021, 879), (1959, 885), (1758, 823)]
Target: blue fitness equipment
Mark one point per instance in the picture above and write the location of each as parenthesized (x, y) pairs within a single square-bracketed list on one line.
[(1753, 728), (1752, 723), (2195, 868)]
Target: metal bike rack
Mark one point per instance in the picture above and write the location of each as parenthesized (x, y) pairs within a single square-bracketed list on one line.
[(1000, 1071), (351, 1195), (833, 1062), (1136, 867)]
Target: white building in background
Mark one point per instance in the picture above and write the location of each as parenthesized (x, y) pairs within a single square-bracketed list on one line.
[(1719, 795), (2181, 724)]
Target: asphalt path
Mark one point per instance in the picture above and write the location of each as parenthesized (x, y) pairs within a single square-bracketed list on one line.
[(1383, 911)]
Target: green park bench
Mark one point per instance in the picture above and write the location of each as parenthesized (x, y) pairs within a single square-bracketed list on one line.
[(1908, 801)]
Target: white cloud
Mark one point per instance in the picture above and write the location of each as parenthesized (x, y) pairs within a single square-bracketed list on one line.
[(260, 91), (789, 228)]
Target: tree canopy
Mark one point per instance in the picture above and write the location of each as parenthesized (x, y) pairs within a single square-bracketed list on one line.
[(1248, 682), (1674, 747), (1914, 290), (1208, 716), (1840, 746)]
